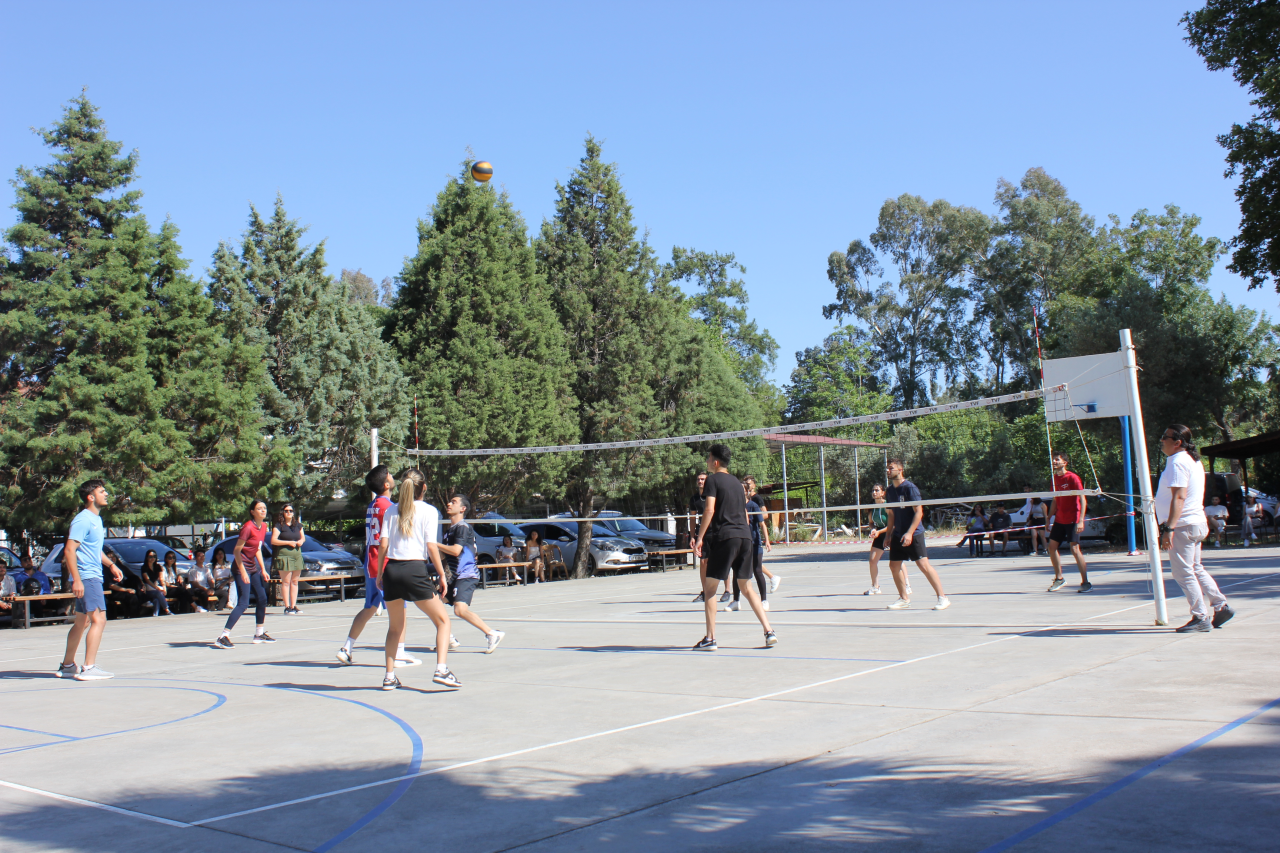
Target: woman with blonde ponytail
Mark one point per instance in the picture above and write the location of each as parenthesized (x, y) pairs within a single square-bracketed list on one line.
[(409, 532)]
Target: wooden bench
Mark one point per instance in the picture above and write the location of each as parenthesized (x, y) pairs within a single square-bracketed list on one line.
[(484, 571), (662, 562), (26, 600), (317, 596)]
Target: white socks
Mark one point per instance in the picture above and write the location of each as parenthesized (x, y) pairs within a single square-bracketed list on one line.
[(350, 644), (226, 632), (260, 630), (400, 651), (441, 668)]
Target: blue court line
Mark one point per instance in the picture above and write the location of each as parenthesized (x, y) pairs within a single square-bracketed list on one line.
[(1116, 787), (764, 654), (219, 700), (37, 732)]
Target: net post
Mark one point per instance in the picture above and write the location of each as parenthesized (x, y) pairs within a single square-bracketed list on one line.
[(857, 493), (1144, 477), (1128, 486), (373, 448), (822, 474), (786, 514)]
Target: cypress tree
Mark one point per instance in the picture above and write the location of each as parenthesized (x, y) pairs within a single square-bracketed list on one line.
[(110, 367), (482, 347), (329, 376)]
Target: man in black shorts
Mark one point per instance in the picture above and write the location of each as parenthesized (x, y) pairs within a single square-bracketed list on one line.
[(728, 545), (906, 537), (1068, 523), (459, 550)]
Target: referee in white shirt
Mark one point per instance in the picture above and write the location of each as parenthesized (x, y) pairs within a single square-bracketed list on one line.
[(1183, 527)]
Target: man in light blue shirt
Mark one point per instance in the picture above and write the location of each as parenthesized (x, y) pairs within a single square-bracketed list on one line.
[(84, 560)]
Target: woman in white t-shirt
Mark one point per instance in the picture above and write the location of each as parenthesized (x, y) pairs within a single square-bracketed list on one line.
[(408, 540), (1183, 527)]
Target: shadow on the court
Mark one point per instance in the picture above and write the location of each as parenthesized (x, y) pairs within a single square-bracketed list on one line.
[(1222, 796), (28, 674)]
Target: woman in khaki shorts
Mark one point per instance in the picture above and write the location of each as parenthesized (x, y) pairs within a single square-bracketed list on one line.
[(286, 556)]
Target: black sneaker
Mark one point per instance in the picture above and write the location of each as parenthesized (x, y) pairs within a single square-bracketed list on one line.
[(1195, 626), (770, 639), (706, 644), (1222, 616), (1085, 587), (223, 642), (71, 670), (700, 599), (390, 682), (447, 678), (264, 637)]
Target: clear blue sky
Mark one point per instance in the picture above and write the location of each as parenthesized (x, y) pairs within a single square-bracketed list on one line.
[(771, 130)]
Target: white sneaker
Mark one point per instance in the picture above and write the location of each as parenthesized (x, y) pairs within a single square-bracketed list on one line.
[(200, 609), (775, 582), (765, 604), (732, 605), (344, 656), (875, 590), (381, 611), (93, 673), (908, 589), (900, 604), (1217, 544), (494, 639), (943, 603), (1246, 543), (453, 643), (407, 659)]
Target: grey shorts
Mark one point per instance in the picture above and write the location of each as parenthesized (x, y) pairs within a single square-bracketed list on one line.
[(93, 597)]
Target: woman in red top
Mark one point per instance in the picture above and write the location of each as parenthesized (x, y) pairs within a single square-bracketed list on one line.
[(249, 572)]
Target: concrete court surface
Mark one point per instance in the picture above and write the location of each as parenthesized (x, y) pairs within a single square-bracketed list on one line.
[(1017, 719)]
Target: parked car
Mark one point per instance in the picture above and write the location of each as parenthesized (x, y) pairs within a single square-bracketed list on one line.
[(606, 548), (653, 540), (329, 539), (316, 557), (179, 545), (489, 531), (127, 554), (10, 559)]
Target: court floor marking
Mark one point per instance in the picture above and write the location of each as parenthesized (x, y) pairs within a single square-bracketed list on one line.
[(721, 707), (91, 804)]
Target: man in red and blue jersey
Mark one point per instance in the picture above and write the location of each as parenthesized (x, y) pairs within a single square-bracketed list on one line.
[(380, 484)]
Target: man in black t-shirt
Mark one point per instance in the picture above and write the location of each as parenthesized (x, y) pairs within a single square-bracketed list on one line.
[(729, 553), (906, 537), (998, 525)]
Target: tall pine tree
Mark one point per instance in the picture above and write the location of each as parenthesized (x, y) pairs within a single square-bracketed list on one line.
[(110, 366), (482, 347), (329, 376)]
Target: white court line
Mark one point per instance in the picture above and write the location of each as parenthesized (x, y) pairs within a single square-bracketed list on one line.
[(92, 804), (634, 726)]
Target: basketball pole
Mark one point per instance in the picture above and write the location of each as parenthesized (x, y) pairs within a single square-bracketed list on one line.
[(1144, 476)]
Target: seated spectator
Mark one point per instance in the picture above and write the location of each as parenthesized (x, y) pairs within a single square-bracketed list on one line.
[(998, 525), (200, 581), (154, 589), (974, 531), (32, 581), (222, 583), (7, 589), (1251, 521), (175, 581), (1216, 514), (124, 597), (509, 553), (30, 572)]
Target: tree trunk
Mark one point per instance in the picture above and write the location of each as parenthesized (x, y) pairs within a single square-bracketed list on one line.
[(581, 564)]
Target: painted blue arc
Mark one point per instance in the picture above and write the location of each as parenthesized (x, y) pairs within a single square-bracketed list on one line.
[(1116, 787)]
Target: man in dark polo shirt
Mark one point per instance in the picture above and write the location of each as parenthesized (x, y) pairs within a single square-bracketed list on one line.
[(998, 525), (906, 537), (728, 549)]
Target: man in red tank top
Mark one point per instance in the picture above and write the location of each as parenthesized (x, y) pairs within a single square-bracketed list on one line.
[(1068, 523)]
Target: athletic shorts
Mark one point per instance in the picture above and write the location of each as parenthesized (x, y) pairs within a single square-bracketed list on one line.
[(462, 591), (408, 580), (730, 555), (93, 597), (372, 595), (1064, 534), (914, 552), (878, 542)]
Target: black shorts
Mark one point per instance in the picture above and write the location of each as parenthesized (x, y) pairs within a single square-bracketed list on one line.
[(914, 552), (462, 591), (878, 542), (731, 555), (1064, 533), (408, 580)]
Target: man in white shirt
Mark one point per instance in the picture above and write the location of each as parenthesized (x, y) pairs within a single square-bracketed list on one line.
[(1216, 514), (1183, 526)]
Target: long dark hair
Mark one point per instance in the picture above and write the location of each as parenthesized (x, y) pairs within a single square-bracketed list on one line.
[(150, 553), (1184, 435), (280, 514), (532, 535), (253, 504)]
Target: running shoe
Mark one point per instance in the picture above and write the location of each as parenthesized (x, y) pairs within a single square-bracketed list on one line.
[(390, 682), (1221, 616), (775, 582), (200, 609), (288, 611), (1246, 543), (454, 645), (93, 673), (943, 603), (223, 642), (1195, 626), (1085, 587), (732, 605), (765, 604), (345, 656), (706, 644), (875, 590), (770, 639), (71, 670), (726, 597), (494, 638), (264, 637), (900, 604), (1217, 544), (1057, 584), (447, 678), (297, 611), (406, 659), (908, 589), (701, 598)]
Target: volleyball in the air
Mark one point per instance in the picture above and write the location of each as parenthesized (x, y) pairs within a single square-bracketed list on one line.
[(482, 171)]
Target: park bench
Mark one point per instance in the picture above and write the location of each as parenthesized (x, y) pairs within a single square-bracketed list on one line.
[(26, 600), (486, 567), (325, 594), (661, 561)]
